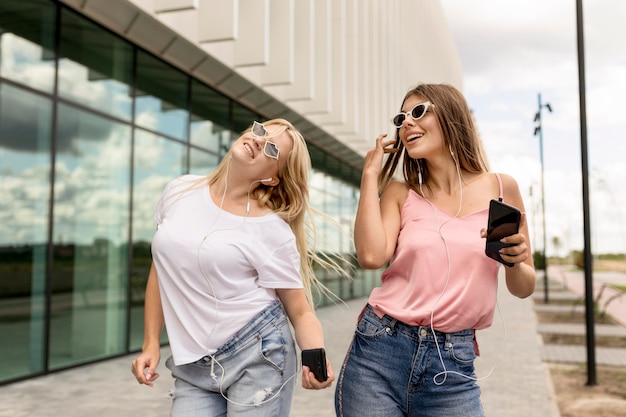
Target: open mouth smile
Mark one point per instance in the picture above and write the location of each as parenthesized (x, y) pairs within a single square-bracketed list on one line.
[(413, 137), (249, 149)]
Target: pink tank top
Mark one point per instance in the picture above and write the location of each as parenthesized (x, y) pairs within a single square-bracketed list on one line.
[(439, 268)]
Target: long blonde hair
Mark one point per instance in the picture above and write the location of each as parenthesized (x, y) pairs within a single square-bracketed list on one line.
[(458, 130), (290, 200)]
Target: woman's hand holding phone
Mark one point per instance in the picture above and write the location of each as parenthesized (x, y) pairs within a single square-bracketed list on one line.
[(317, 372), (504, 221)]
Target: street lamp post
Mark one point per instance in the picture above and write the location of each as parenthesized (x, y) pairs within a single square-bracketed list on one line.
[(539, 131), (582, 101)]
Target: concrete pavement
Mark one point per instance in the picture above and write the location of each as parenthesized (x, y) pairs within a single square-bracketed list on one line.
[(567, 293), (514, 380), (609, 299)]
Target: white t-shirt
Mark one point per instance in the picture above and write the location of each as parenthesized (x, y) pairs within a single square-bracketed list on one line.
[(216, 270)]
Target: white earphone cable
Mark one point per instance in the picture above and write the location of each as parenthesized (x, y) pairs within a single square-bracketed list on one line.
[(214, 295), (445, 371)]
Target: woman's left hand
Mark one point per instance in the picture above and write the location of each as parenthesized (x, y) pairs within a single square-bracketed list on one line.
[(518, 251), (309, 381)]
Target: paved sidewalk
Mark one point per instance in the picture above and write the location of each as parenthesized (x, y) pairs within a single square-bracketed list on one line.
[(570, 287), (610, 300), (580, 330), (578, 354), (515, 380)]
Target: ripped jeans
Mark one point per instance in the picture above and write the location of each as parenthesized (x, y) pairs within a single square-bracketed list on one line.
[(253, 374)]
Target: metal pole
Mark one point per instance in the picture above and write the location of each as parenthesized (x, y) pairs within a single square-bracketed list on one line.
[(543, 205), (589, 307)]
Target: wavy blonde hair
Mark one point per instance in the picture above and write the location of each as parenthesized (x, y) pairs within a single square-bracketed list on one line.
[(290, 200)]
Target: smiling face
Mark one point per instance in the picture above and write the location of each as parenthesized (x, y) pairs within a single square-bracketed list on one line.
[(259, 156), (422, 138)]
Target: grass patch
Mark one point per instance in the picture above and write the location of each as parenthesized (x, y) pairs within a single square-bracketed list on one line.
[(570, 339), (621, 288), (575, 317), (561, 302)]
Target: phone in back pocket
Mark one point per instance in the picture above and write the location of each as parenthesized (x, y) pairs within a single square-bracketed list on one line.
[(503, 221)]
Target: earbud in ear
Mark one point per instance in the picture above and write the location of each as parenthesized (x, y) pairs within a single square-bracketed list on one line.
[(267, 180)]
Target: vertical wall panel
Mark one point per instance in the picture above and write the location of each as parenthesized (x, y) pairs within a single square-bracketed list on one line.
[(218, 20), (343, 65), (253, 44), (337, 111), (320, 103), (280, 68), (352, 73), (304, 77)]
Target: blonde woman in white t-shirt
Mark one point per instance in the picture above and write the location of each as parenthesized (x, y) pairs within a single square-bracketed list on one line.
[(230, 258)]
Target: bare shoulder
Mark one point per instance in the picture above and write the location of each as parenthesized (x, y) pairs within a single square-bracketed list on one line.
[(509, 184), (397, 186), (510, 189), (397, 191)]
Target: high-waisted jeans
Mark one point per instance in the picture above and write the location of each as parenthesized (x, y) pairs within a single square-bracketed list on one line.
[(255, 370), (393, 369)]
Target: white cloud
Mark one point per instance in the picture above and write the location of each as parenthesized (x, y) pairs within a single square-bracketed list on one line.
[(512, 51)]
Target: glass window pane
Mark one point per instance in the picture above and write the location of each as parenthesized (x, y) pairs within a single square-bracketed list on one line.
[(27, 42), (90, 237), (156, 161), (242, 119), (95, 67), (25, 130), (201, 163), (209, 119), (161, 97)]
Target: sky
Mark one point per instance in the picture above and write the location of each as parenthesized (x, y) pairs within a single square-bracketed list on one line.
[(512, 51)]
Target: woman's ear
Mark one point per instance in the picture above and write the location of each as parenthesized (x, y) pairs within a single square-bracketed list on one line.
[(272, 182)]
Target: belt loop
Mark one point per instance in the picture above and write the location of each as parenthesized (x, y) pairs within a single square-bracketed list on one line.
[(448, 341), (392, 323)]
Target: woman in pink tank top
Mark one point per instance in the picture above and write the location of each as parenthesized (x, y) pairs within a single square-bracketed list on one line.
[(414, 348)]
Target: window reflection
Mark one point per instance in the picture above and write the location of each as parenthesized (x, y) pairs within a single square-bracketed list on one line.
[(242, 119), (161, 97), (209, 119), (181, 125), (90, 233), (201, 163), (333, 197), (95, 67), (27, 43), (156, 162), (25, 124)]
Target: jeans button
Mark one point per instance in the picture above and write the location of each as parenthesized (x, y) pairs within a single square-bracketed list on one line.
[(423, 332), (388, 330)]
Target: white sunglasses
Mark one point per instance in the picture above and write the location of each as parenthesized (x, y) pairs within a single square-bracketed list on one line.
[(270, 149), (416, 113)]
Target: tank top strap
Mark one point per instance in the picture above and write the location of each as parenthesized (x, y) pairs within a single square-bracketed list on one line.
[(499, 185)]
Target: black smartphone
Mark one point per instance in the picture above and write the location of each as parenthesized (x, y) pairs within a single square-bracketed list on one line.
[(315, 359), (503, 221)]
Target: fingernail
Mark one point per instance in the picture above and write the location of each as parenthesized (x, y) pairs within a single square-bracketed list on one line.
[(148, 377)]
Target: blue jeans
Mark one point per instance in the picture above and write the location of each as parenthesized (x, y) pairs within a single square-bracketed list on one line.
[(253, 374), (393, 369)]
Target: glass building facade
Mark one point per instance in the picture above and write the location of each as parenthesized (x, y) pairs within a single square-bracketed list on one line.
[(92, 127)]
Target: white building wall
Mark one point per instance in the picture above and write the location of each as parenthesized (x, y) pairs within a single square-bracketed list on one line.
[(337, 69)]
